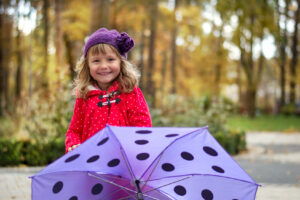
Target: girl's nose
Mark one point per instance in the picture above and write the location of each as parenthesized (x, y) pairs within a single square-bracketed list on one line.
[(103, 65)]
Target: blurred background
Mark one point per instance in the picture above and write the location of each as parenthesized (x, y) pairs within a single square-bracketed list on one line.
[(229, 64)]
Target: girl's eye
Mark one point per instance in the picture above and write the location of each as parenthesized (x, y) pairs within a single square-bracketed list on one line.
[(94, 61), (111, 59)]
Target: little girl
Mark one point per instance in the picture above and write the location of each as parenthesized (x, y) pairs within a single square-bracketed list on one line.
[(106, 88)]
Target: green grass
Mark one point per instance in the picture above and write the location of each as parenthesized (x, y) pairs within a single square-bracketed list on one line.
[(265, 123)]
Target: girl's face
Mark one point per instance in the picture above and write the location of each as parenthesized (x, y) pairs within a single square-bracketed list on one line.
[(104, 66)]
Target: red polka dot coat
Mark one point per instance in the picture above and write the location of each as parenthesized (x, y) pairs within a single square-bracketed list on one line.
[(92, 114)]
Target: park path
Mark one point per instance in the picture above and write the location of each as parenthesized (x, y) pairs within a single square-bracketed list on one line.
[(272, 160)]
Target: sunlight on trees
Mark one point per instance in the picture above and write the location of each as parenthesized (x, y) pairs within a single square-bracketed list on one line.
[(246, 51)]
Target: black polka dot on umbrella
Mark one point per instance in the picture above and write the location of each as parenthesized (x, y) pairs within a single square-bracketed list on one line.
[(180, 190), (103, 141), (143, 131), (113, 163), (207, 194), (218, 169), (187, 156), (97, 189), (141, 142), (234, 199), (143, 156), (74, 198), (210, 151), (168, 167), (93, 159), (57, 187), (72, 158), (171, 135)]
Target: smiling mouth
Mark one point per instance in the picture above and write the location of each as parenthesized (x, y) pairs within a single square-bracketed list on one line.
[(103, 73)]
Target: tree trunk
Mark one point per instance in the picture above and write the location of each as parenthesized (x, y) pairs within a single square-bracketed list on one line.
[(294, 60), (6, 25), (173, 50), (251, 101), (218, 66), (19, 72), (70, 56), (151, 62), (283, 45), (114, 12), (248, 66), (46, 39), (30, 37), (141, 61), (1, 63), (249, 69), (163, 74), (58, 33), (100, 16), (239, 84)]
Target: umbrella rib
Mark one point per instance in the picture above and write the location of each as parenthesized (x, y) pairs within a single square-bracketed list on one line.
[(123, 154), (150, 197), (117, 190), (186, 134), (127, 165), (148, 178), (168, 184), (110, 182)]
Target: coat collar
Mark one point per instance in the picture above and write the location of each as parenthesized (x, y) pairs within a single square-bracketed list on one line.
[(95, 90)]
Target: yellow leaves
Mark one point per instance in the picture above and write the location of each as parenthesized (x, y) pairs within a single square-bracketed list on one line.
[(76, 19)]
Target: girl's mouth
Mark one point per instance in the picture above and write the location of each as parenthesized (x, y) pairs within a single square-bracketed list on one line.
[(103, 73)]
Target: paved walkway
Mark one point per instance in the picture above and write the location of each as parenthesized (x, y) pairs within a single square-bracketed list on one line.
[(272, 160)]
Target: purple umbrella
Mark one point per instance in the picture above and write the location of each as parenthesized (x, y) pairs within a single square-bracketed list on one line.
[(145, 164)]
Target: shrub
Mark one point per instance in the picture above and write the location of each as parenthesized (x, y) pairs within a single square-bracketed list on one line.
[(10, 152), (205, 111), (30, 152)]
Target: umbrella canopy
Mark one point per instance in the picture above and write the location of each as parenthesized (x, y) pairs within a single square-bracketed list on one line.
[(145, 163)]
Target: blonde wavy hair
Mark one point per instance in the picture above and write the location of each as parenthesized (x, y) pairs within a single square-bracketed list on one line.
[(127, 79)]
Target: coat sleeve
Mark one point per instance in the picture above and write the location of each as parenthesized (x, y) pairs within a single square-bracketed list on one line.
[(73, 135), (138, 112)]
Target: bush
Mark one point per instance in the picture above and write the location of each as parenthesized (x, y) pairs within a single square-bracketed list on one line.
[(30, 152), (49, 123), (205, 111), (10, 152), (49, 120), (291, 109), (233, 141)]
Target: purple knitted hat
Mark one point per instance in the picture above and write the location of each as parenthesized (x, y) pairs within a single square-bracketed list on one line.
[(122, 42)]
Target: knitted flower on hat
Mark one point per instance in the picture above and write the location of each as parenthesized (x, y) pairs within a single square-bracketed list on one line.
[(122, 42)]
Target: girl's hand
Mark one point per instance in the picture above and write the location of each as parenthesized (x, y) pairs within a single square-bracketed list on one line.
[(72, 147)]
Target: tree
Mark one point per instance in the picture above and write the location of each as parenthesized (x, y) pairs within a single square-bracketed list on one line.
[(281, 42), (141, 58), (6, 26), (252, 27), (100, 14), (153, 14), (46, 5), (19, 44), (58, 33), (76, 26), (293, 64), (173, 49)]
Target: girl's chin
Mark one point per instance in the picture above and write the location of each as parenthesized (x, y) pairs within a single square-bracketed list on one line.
[(104, 86)]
